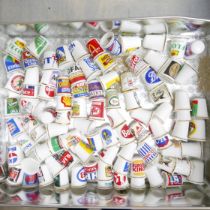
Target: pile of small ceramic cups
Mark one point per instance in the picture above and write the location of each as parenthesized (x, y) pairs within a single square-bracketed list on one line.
[(92, 85)]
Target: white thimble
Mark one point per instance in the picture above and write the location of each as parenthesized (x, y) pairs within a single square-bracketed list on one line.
[(104, 171), (199, 108), (182, 101), (183, 115), (15, 176), (185, 74), (44, 176), (156, 28), (32, 76), (137, 183), (105, 184), (50, 61), (76, 25), (128, 81), (49, 77), (79, 108), (172, 180), (155, 59), (192, 149), (30, 166), (124, 134), (136, 197), (109, 79), (157, 128), (46, 117), (38, 46), (168, 166), (130, 27), (109, 25), (173, 151), (109, 155), (132, 100), (180, 130), (154, 42), (129, 42), (55, 129), (115, 117), (61, 181), (142, 115), (197, 130), (194, 48), (121, 166), (154, 176), (196, 175), (77, 50), (14, 155), (78, 178), (120, 181), (128, 151), (177, 48), (163, 111), (182, 167), (46, 92), (63, 117), (42, 152)]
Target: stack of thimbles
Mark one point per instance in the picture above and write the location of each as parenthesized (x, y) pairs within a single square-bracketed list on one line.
[(182, 109)]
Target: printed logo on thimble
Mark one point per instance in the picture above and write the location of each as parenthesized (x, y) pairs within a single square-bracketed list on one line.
[(151, 77), (12, 106), (126, 167), (13, 127), (12, 155), (81, 176), (30, 179), (64, 158), (174, 180), (138, 168), (162, 141), (28, 90), (126, 132), (106, 136), (17, 82), (192, 128), (11, 63), (60, 55), (14, 174), (90, 63)]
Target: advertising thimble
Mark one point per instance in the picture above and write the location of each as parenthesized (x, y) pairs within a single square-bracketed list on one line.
[(95, 140), (167, 166), (63, 117), (44, 176), (91, 171), (79, 108), (14, 155), (196, 174), (64, 57), (77, 50), (49, 77), (182, 101), (92, 25), (15, 82), (109, 42), (15, 176), (78, 177), (157, 128), (180, 130), (15, 126), (156, 28), (141, 115), (132, 100), (147, 153), (120, 181), (11, 64), (27, 105), (130, 27), (41, 152), (177, 48), (41, 28), (54, 145), (108, 136), (61, 181), (136, 63), (109, 80), (46, 92), (139, 130), (83, 151), (110, 25), (15, 47), (115, 117), (128, 151), (183, 115), (129, 43), (97, 109), (80, 89), (154, 42), (137, 168), (105, 62), (197, 130), (28, 60), (95, 89), (185, 74), (150, 78), (182, 167), (121, 166), (63, 85), (50, 60), (104, 171), (194, 48), (63, 102), (192, 149), (154, 176), (109, 155), (155, 59), (163, 142), (124, 133), (163, 111), (128, 81), (174, 150), (89, 68), (94, 47), (55, 129), (27, 144), (38, 46), (199, 108), (172, 180), (112, 99)]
